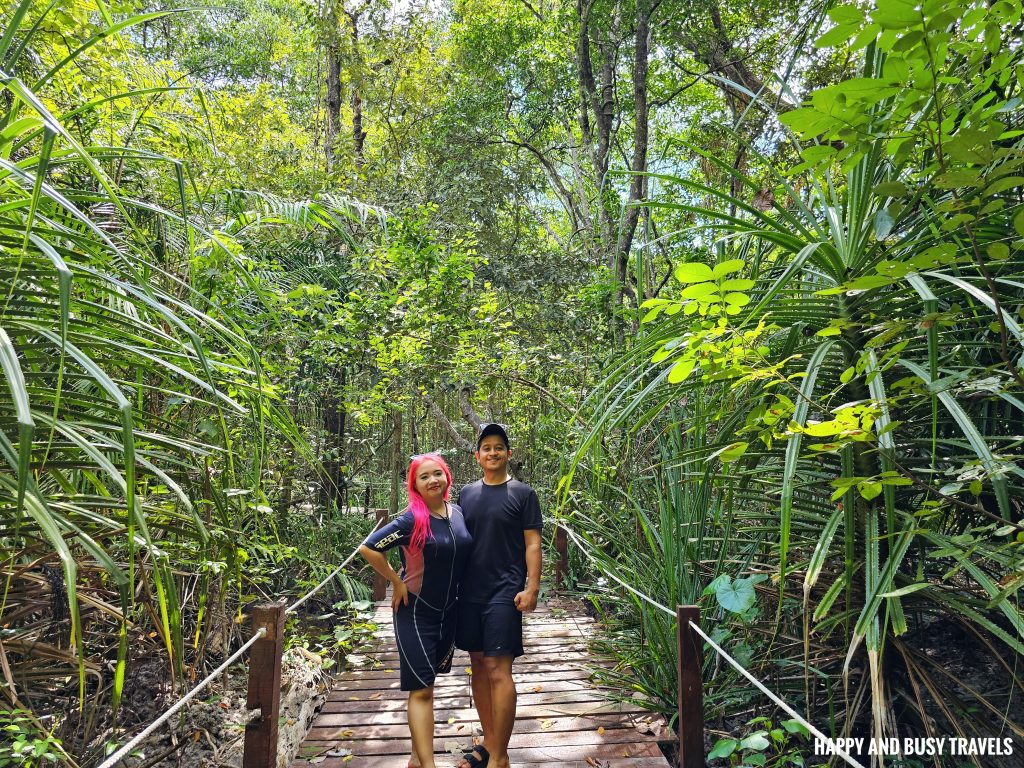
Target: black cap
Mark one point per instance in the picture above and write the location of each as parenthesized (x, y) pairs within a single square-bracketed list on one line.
[(487, 430)]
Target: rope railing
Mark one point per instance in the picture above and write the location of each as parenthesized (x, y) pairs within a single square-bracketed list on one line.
[(123, 752), (833, 746), (258, 635)]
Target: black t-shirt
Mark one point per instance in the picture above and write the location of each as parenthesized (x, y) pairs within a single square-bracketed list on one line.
[(433, 574), (496, 516)]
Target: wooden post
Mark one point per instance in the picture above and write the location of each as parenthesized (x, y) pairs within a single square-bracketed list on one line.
[(562, 566), (691, 689), (260, 749), (380, 584)]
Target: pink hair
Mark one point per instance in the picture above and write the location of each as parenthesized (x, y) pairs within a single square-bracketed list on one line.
[(418, 507)]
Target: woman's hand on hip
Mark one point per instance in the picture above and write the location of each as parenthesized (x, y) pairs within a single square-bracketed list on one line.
[(400, 596)]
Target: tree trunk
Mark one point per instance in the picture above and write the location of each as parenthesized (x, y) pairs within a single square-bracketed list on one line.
[(358, 134), (333, 103), (397, 462), (638, 165)]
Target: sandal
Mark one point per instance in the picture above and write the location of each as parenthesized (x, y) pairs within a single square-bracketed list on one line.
[(477, 756)]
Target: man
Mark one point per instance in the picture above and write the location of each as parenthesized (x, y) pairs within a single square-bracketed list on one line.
[(501, 584)]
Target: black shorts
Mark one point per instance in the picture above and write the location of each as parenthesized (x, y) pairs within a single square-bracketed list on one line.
[(494, 628), (426, 643)]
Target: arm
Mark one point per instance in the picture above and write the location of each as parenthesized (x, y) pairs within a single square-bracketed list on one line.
[(379, 562), (526, 600)]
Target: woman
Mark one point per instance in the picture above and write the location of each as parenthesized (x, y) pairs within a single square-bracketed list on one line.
[(435, 547)]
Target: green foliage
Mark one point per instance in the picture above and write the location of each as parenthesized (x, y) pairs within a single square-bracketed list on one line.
[(857, 460), (23, 745), (767, 746)]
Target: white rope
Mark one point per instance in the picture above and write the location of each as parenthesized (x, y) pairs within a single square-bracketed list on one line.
[(292, 608), (792, 712), (636, 592), (123, 751), (718, 649)]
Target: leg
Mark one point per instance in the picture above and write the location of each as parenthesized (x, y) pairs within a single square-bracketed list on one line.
[(503, 707), (421, 726), (481, 685)]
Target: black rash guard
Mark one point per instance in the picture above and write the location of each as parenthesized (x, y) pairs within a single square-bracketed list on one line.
[(496, 516), (434, 573), (425, 627)]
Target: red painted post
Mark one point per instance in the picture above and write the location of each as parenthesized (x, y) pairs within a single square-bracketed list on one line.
[(562, 547), (691, 689), (260, 750), (380, 584)]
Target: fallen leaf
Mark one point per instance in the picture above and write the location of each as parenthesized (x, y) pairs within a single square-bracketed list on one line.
[(545, 724), (600, 731), (537, 689), (347, 758), (469, 670), (451, 720), (376, 695)]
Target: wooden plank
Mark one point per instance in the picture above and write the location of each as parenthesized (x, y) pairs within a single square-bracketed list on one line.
[(447, 684), (382, 677), (558, 724), (561, 756), (360, 701), (469, 715), (620, 740), (363, 701), (353, 734)]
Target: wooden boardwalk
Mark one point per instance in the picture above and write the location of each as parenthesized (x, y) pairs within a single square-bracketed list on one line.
[(562, 717)]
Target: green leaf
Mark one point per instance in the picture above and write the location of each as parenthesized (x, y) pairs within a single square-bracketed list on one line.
[(755, 741), (998, 251), (731, 452), (896, 14), (907, 590), (865, 36), (807, 121), (693, 272), (846, 14), (795, 726), (736, 595), (727, 268), (737, 299), (723, 748), (891, 189), (700, 291), (836, 36), (883, 223), (681, 370), (869, 489), (1003, 184), (1018, 222)]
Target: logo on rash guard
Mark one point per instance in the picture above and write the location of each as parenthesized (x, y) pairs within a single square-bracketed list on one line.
[(389, 539)]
